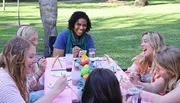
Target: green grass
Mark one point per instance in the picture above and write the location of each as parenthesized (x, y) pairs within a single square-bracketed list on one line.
[(116, 29)]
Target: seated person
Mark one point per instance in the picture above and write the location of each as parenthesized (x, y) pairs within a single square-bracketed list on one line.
[(151, 43), (102, 86), (16, 61), (35, 79), (168, 66), (75, 38)]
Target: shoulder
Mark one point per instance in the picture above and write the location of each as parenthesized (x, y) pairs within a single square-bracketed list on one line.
[(9, 92), (5, 78), (88, 35), (62, 36), (89, 38), (63, 33)]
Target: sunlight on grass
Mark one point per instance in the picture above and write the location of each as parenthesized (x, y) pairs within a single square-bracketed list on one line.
[(116, 29)]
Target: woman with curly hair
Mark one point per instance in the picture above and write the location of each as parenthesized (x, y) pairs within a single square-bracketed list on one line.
[(75, 38)]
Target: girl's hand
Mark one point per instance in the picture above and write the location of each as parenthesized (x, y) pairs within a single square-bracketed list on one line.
[(126, 84), (134, 78), (60, 84), (42, 65)]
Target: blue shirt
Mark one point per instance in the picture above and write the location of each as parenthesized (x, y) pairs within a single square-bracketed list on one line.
[(62, 38)]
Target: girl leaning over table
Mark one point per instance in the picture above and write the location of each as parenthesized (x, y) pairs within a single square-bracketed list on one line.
[(16, 61), (167, 64), (35, 79)]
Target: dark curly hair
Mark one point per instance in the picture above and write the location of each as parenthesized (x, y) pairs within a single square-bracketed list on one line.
[(77, 15)]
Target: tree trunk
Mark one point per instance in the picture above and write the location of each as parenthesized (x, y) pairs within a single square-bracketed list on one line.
[(18, 13), (141, 2), (4, 8), (48, 11)]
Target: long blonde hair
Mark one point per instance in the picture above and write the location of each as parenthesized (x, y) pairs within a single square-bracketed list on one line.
[(169, 59), (27, 32), (157, 42), (13, 60)]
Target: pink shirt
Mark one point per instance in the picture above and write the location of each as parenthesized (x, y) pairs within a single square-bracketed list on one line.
[(9, 92)]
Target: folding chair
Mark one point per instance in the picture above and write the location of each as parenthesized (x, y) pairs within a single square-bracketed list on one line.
[(52, 40)]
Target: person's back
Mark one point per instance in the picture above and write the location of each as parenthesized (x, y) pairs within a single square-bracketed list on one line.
[(8, 88)]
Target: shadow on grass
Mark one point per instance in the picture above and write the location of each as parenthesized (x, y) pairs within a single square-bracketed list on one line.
[(123, 43), (117, 36)]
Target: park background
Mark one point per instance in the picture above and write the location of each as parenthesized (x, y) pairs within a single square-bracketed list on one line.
[(117, 26)]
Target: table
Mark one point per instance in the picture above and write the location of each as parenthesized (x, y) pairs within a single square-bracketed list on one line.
[(65, 96)]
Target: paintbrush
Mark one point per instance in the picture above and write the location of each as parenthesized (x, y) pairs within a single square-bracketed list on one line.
[(55, 59), (60, 63)]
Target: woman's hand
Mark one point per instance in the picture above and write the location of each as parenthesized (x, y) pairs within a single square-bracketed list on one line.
[(75, 51), (126, 84), (134, 78), (42, 65), (60, 84)]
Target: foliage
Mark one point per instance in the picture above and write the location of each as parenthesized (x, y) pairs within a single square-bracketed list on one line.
[(116, 29)]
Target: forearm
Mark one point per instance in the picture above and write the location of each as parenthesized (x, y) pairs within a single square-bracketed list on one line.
[(37, 87), (33, 82), (147, 86), (155, 87), (151, 97), (49, 97), (37, 75), (58, 52)]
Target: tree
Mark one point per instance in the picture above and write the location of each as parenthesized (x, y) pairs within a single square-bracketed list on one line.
[(141, 2), (48, 12), (18, 13), (4, 8)]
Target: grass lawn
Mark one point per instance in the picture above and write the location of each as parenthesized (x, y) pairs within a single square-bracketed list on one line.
[(116, 29)]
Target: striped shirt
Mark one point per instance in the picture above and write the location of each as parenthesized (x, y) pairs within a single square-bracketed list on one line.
[(9, 92)]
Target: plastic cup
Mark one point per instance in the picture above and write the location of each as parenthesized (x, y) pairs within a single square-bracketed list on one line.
[(76, 75), (74, 94), (135, 93), (69, 62), (140, 88), (92, 52)]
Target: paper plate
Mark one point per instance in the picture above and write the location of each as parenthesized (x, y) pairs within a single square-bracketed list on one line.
[(60, 73), (51, 85)]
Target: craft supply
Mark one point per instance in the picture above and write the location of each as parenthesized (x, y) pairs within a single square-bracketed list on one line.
[(60, 63), (55, 59)]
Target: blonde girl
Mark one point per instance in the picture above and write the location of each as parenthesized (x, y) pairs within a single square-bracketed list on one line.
[(35, 79), (16, 61), (168, 66), (151, 43)]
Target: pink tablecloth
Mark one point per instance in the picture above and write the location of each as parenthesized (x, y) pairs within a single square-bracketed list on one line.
[(65, 96)]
